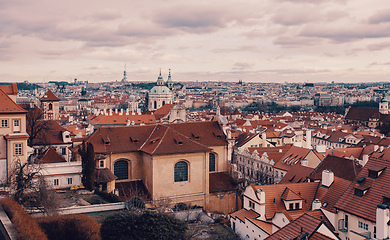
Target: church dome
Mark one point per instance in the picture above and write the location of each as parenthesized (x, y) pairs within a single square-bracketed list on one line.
[(160, 90)]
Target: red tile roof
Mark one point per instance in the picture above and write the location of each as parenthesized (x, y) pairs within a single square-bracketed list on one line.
[(51, 156), (159, 138), (365, 206), (8, 105), (274, 203), (10, 89), (49, 97), (304, 225)]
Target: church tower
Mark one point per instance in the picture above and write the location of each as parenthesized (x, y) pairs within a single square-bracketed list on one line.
[(159, 95), (384, 105), (169, 81), (50, 106)]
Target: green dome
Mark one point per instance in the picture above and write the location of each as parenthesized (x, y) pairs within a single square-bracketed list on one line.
[(160, 90)]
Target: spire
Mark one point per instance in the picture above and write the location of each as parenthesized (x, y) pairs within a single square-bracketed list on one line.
[(160, 80), (124, 79), (169, 81)]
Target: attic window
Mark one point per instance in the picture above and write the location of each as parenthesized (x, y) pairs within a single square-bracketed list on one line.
[(154, 140), (196, 137), (375, 171), (178, 141), (217, 135), (134, 139), (361, 190)]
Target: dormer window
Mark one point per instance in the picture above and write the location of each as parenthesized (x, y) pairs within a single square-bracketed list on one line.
[(375, 171), (178, 141), (361, 190), (134, 139)]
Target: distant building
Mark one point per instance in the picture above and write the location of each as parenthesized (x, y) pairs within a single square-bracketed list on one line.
[(50, 106), (160, 94)]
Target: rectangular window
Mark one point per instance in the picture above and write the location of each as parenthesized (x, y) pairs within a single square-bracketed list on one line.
[(16, 123), (56, 182), (101, 163), (363, 225), (251, 204), (70, 181), (63, 151), (296, 205), (18, 149), (4, 123), (291, 206)]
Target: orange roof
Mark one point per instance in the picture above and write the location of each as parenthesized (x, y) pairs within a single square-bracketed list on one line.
[(274, 202), (116, 119), (10, 89), (8, 105), (250, 215), (163, 111), (49, 97), (51, 156)]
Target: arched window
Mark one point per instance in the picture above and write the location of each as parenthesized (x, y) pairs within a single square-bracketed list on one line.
[(121, 169), (50, 106), (211, 162), (181, 171), (155, 104)]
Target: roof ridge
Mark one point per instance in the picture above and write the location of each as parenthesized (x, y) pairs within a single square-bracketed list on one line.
[(161, 140), (154, 129), (13, 102)]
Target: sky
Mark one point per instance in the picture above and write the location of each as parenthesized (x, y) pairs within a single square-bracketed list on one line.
[(203, 40)]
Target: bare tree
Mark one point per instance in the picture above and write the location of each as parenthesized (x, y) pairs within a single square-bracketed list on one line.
[(35, 124), (30, 189)]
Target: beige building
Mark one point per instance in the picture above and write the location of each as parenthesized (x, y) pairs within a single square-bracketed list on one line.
[(185, 162), (13, 136)]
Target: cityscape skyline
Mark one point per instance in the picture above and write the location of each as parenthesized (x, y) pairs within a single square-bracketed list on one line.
[(254, 41)]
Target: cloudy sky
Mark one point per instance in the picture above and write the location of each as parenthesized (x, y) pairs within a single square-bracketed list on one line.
[(252, 40)]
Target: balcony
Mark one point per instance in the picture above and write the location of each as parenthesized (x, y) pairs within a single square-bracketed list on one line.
[(343, 225)]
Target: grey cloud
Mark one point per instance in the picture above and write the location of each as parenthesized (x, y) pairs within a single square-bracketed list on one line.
[(242, 66), (348, 33), (378, 46), (106, 15), (295, 41), (380, 63), (380, 17)]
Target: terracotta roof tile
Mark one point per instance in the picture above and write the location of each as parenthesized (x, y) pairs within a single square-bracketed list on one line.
[(49, 96), (10, 89), (341, 167), (365, 206), (51, 156), (104, 175), (8, 105)]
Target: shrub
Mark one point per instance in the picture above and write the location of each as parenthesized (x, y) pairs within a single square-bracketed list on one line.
[(75, 227), (180, 207), (136, 202), (26, 227), (109, 197), (143, 226)]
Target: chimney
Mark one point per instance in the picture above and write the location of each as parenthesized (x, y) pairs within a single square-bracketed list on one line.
[(381, 149), (110, 112), (327, 178), (308, 139), (264, 137), (365, 159), (382, 218), (321, 148), (116, 110), (316, 205), (121, 113), (127, 111), (128, 122), (376, 147)]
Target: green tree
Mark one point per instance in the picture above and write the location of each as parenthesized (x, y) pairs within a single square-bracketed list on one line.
[(88, 165), (142, 226)]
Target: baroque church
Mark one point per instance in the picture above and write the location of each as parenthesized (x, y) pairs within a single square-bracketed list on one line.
[(161, 94)]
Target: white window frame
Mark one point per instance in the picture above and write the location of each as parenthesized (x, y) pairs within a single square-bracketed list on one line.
[(18, 123), (4, 123), (70, 181), (56, 182), (18, 149)]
